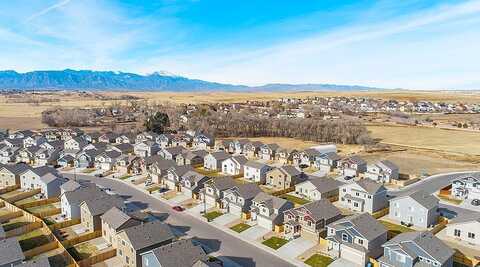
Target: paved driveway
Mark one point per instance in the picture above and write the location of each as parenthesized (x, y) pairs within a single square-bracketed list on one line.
[(225, 219), (255, 232), (178, 199), (296, 247), (343, 263), (198, 209)]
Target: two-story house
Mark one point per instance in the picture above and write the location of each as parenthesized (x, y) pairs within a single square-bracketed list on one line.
[(316, 188), (363, 196), (214, 190), (10, 174), (327, 161), (418, 209), (146, 148), (174, 176), (203, 141), (383, 171), (284, 177), (268, 151), (252, 149), (416, 249), (213, 161), (237, 200), (467, 187), (309, 221), (268, 211), (191, 183), (234, 165), (352, 166), (464, 230), (356, 238), (256, 171)]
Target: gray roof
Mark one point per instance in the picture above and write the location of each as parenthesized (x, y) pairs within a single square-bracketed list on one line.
[(364, 224), (255, 164), (50, 177), (148, 234), (240, 159), (324, 184), (70, 185), (193, 176), (116, 218), (248, 191), (102, 203), (388, 164), (223, 183), (10, 251), (291, 170), (88, 191), (42, 262), (269, 200), (421, 197), (182, 253), (201, 153), (220, 155), (370, 186), (16, 168), (181, 170), (330, 155), (424, 240), (469, 217), (321, 209), (41, 171)]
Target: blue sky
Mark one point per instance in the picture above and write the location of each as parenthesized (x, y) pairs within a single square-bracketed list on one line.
[(395, 44)]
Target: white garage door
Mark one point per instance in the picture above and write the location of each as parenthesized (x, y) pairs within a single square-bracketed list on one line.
[(264, 222), (352, 255), (234, 209)]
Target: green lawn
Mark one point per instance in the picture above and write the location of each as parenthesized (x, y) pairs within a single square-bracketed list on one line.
[(26, 200), (275, 242), (82, 251), (10, 194), (212, 215), (318, 260), (41, 208), (294, 199), (124, 177), (395, 228), (90, 170), (240, 227)]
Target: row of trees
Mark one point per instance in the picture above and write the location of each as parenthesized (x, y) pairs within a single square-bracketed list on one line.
[(242, 125), (67, 117)]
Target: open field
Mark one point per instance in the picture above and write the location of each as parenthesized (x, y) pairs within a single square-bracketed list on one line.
[(462, 142)]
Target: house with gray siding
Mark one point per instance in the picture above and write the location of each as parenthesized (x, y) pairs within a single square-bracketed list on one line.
[(356, 238), (238, 199), (363, 196), (181, 253), (383, 171), (268, 211), (416, 249), (10, 252), (418, 209), (213, 161)]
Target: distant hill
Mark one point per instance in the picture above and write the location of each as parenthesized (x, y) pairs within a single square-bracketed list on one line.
[(109, 80)]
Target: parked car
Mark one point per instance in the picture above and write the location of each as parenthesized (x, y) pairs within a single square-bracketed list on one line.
[(476, 202), (348, 178), (177, 208)]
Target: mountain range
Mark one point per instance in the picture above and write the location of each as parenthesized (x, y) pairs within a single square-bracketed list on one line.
[(122, 81)]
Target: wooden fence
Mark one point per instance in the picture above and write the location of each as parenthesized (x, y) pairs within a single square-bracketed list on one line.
[(98, 258), (463, 259), (39, 203), (41, 249), (23, 195), (64, 224), (9, 189), (380, 213), (43, 214), (82, 238), (23, 229), (442, 223), (2, 205), (9, 216), (283, 192)]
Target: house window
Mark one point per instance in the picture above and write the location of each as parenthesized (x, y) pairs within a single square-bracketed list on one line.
[(120, 252), (127, 259), (355, 204), (401, 257), (457, 232), (360, 241), (471, 235), (357, 194), (344, 190), (369, 197), (345, 237)]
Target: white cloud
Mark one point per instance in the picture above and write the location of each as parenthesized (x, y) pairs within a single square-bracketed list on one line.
[(47, 10)]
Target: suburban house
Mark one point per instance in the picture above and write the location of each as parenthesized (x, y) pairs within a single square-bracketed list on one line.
[(71, 198), (174, 175), (45, 156), (383, 171), (268, 210), (327, 161), (184, 140), (109, 137), (213, 161), (356, 238), (44, 178), (165, 140), (416, 249), (136, 240), (251, 149), (256, 171), (239, 146), (8, 154), (66, 160), (352, 166), (92, 209), (363, 196), (467, 187), (418, 209), (285, 155), (86, 159), (214, 190), (107, 160), (309, 221), (465, 230), (157, 167), (223, 145), (192, 182), (115, 220), (146, 148), (75, 144), (237, 200), (284, 177), (203, 141), (268, 151), (10, 174), (181, 253), (308, 157), (317, 188), (172, 152), (124, 148), (190, 158), (234, 165)]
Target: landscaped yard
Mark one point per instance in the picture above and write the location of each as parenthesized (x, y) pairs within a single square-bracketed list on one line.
[(294, 199), (318, 260), (42, 208), (33, 239), (10, 194), (89, 170), (395, 228), (275, 242), (82, 251), (26, 200), (240, 227), (124, 177), (212, 215)]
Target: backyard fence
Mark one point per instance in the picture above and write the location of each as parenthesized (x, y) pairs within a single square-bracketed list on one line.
[(380, 213), (64, 224), (283, 192), (9, 216), (41, 249), (23, 229), (23, 195), (43, 214), (9, 189), (39, 203), (97, 258), (82, 238)]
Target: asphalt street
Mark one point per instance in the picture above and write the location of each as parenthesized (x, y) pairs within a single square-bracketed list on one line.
[(228, 246)]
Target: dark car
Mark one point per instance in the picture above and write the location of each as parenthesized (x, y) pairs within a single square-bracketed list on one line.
[(348, 178), (476, 202), (177, 208)]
